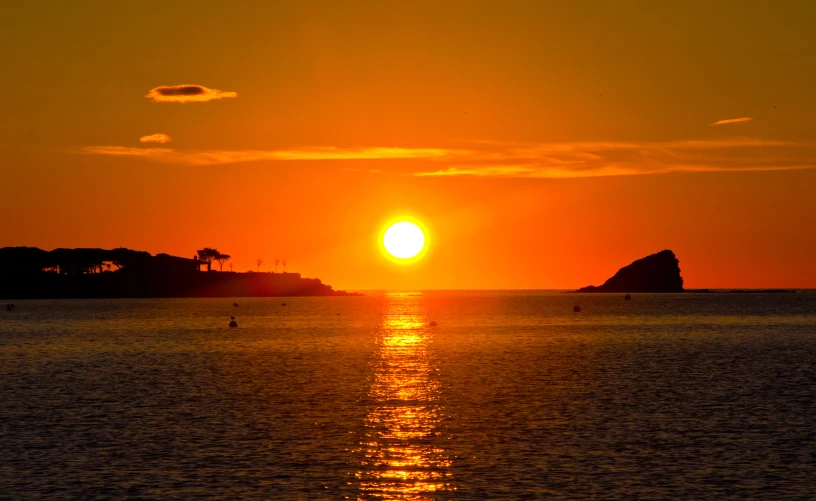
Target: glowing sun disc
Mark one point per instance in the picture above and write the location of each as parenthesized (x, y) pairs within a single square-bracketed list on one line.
[(404, 240)]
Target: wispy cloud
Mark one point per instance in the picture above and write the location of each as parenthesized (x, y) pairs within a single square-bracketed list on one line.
[(216, 157), (521, 160), (125, 151), (187, 94), (155, 138), (732, 121), (529, 171), (595, 159)]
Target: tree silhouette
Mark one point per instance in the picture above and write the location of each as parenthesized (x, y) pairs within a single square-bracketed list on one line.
[(259, 262), (222, 258), (284, 266), (207, 254), (276, 264)]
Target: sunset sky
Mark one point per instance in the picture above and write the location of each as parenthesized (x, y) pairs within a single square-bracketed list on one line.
[(542, 144)]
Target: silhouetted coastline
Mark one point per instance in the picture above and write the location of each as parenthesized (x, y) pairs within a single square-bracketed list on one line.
[(32, 273)]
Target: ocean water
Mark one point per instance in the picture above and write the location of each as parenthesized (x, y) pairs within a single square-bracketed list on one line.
[(511, 396)]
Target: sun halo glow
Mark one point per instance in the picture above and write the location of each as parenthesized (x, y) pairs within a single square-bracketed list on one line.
[(403, 240)]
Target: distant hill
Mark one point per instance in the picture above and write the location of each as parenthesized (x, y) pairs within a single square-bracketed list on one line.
[(659, 272), (32, 273)]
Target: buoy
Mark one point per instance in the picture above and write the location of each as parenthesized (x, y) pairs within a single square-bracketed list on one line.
[(576, 308), (627, 297), (338, 314), (233, 323), (433, 324), (235, 304), (283, 304)]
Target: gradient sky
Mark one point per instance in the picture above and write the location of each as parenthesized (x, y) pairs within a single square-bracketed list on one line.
[(544, 144)]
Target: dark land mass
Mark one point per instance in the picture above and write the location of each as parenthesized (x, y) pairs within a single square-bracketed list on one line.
[(659, 272), (32, 273), (743, 291)]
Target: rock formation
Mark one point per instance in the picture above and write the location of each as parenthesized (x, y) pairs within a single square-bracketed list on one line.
[(656, 273)]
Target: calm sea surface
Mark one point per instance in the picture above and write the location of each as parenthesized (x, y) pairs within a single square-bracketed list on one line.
[(511, 396)]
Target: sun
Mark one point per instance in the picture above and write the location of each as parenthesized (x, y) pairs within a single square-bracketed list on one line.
[(404, 240)]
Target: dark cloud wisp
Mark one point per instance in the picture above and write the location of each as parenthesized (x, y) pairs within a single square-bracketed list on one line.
[(180, 90), (187, 94)]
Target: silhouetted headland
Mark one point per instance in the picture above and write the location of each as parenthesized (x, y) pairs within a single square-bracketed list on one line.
[(659, 272), (32, 273)]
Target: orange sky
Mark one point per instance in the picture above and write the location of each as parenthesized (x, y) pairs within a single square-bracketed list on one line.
[(545, 144)]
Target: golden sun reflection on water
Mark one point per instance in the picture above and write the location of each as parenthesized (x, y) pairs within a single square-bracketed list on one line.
[(402, 457)]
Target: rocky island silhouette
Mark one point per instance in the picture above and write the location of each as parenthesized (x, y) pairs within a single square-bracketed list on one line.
[(659, 272), (33, 273)]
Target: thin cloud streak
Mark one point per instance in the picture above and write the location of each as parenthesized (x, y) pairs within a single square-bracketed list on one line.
[(732, 121), (187, 94), (526, 171), (536, 172), (126, 151), (156, 138), (544, 160), (597, 159), (218, 157)]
